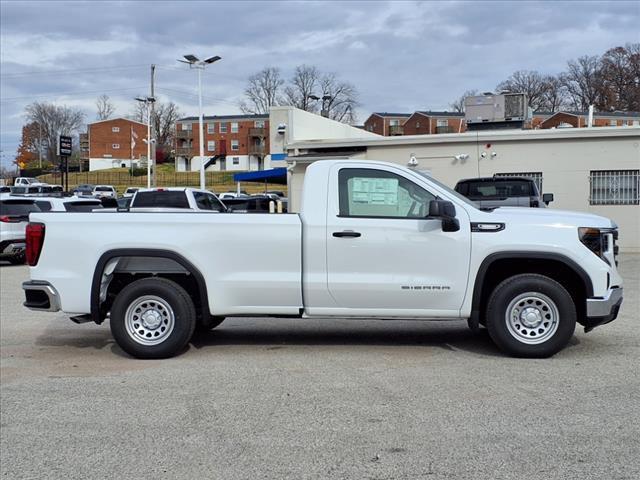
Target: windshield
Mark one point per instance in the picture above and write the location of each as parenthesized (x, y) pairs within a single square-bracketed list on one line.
[(81, 206), (104, 189), (450, 191)]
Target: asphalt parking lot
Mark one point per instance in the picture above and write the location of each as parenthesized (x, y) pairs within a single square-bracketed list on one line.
[(263, 398)]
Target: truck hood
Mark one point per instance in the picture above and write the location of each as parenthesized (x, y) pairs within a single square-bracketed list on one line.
[(547, 216)]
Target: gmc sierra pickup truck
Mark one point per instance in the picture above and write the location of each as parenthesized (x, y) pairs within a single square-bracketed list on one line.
[(372, 240)]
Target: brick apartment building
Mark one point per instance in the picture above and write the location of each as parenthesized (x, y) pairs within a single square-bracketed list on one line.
[(430, 123), (231, 142), (113, 143), (386, 124), (433, 122), (580, 119)]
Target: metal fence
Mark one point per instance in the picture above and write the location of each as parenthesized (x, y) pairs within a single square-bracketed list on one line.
[(216, 181), (614, 187)]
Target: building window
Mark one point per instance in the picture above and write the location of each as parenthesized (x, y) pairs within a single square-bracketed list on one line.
[(613, 123), (258, 124), (223, 127), (235, 145), (614, 187), (418, 124), (186, 126), (236, 160), (394, 123), (115, 129), (211, 146), (115, 146), (442, 122), (234, 127), (211, 128), (535, 176)]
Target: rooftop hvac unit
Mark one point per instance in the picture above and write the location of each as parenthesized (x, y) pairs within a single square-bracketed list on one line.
[(506, 107)]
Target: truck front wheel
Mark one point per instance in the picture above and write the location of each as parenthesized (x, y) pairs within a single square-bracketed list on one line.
[(152, 318), (531, 316)]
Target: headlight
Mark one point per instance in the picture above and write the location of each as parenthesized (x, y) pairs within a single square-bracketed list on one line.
[(601, 241)]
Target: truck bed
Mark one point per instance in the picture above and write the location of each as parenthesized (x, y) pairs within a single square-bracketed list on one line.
[(252, 262)]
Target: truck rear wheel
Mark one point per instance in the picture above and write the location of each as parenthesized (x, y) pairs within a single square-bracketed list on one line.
[(152, 318), (531, 316)]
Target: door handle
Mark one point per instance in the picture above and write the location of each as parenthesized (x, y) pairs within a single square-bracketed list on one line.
[(347, 233)]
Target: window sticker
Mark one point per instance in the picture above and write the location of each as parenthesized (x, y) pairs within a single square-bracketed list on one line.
[(375, 191)]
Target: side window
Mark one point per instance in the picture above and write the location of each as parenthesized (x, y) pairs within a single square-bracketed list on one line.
[(201, 201), (377, 193), (44, 205)]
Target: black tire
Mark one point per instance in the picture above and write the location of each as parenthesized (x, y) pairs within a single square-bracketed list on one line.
[(171, 323), (540, 310), (213, 322)]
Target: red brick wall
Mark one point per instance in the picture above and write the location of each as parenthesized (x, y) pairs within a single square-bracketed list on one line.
[(419, 124), (102, 138), (243, 137)]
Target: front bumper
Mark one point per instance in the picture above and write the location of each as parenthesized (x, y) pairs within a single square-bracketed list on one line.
[(601, 310), (41, 296)]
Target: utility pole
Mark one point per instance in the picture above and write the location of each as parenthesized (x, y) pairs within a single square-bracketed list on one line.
[(155, 129)]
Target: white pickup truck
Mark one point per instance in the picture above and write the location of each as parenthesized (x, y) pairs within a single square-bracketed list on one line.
[(372, 240)]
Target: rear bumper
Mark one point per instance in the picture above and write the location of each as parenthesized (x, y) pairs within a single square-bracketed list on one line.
[(41, 296), (603, 310), (9, 248)]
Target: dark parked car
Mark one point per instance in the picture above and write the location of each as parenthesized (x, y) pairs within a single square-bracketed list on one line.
[(494, 192)]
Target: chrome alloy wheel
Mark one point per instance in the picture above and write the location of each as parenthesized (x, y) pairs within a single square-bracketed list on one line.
[(149, 320), (532, 318)]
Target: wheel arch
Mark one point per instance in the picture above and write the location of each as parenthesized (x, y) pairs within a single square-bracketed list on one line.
[(490, 274), (182, 266)]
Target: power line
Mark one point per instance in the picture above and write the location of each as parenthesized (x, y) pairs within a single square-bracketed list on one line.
[(11, 99), (71, 70)]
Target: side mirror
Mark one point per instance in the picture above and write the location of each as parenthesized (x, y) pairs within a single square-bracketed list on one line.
[(446, 211), (547, 198)]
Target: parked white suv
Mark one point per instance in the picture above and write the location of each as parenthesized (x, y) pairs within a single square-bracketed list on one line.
[(67, 204), (104, 191), (14, 217)]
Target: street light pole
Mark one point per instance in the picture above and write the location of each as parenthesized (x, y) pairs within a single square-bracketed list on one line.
[(148, 101), (201, 128), (195, 62)]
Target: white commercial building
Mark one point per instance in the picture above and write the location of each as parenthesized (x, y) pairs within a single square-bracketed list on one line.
[(594, 170)]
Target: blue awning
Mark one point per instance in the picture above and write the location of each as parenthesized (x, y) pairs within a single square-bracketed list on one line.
[(274, 175)]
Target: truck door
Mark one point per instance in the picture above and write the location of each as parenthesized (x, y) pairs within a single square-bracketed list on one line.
[(384, 258)]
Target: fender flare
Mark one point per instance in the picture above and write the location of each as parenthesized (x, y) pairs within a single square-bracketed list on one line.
[(145, 252), (490, 259)]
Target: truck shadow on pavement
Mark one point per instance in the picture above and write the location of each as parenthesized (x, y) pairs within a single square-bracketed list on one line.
[(417, 335), (276, 336)]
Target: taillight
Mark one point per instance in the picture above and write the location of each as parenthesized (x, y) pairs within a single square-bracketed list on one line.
[(9, 219), (34, 241)]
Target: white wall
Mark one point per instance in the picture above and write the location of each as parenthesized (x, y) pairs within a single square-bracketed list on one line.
[(245, 162), (301, 125), (564, 161), (106, 163)]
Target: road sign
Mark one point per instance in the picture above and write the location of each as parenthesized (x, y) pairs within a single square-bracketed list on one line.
[(64, 146)]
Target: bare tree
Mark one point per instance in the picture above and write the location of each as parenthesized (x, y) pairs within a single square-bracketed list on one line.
[(262, 91), (458, 104), (105, 108), (302, 85), (554, 95), (341, 98), (163, 121), (528, 82), (620, 75), (583, 82), (53, 120)]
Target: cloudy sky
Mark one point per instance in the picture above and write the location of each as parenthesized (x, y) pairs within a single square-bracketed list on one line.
[(402, 56)]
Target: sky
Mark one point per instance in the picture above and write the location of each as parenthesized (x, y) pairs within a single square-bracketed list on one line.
[(401, 56)]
